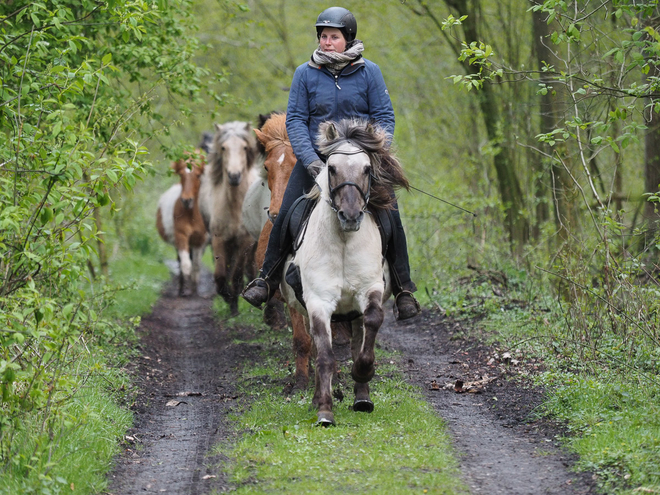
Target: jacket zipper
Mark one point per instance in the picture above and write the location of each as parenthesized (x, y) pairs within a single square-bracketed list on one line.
[(336, 83)]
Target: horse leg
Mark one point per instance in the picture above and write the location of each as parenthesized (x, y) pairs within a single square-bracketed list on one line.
[(302, 348), (235, 275), (196, 266), (325, 368), (274, 315), (363, 365), (341, 340), (220, 255), (362, 401), (185, 268)]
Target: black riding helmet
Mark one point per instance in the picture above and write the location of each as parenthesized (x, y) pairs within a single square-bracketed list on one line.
[(337, 17)]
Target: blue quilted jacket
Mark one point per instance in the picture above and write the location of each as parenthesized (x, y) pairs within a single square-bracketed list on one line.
[(317, 95)]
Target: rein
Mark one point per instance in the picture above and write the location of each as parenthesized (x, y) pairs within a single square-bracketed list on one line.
[(333, 190)]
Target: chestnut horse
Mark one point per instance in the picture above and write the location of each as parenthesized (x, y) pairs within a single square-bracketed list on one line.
[(340, 258), (179, 221), (228, 175)]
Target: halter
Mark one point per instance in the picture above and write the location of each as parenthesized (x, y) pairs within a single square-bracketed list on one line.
[(333, 190)]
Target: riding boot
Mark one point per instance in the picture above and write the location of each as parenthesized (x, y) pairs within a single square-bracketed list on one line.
[(405, 304)]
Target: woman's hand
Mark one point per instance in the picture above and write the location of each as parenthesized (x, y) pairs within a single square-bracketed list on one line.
[(314, 168)]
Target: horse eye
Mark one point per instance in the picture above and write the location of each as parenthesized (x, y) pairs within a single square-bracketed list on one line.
[(332, 169), (265, 168), (367, 170)]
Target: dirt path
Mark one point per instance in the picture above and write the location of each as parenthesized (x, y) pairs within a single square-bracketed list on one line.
[(501, 451), (185, 377), (191, 359)]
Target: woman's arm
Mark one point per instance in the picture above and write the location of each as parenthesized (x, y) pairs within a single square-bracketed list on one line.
[(297, 119), (380, 104)]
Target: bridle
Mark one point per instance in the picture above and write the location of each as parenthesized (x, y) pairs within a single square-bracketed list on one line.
[(333, 190)]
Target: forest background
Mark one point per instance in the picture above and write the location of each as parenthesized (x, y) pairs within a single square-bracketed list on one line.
[(539, 117)]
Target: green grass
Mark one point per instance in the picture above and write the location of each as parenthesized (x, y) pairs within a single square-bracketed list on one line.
[(615, 426), (402, 447), (142, 278), (73, 450)]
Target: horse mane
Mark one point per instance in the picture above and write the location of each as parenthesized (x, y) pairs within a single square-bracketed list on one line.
[(372, 139), (275, 130), (243, 131)]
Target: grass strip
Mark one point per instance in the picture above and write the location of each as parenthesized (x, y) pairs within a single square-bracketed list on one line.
[(402, 447)]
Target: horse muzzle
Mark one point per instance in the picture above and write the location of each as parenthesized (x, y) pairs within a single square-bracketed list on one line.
[(188, 203), (350, 222), (234, 179)]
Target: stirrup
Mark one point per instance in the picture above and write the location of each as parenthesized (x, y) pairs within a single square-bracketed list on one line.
[(395, 307)]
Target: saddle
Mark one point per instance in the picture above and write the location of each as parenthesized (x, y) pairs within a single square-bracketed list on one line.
[(295, 226)]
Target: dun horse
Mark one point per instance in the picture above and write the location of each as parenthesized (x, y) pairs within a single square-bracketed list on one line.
[(228, 176), (179, 220), (340, 258)]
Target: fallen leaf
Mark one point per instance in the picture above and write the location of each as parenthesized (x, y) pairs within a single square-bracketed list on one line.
[(458, 386), (209, 476), (174, 403), (434, 385)]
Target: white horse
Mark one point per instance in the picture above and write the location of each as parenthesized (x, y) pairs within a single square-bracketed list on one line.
[(230, 172), (255, 205), (341, 265)]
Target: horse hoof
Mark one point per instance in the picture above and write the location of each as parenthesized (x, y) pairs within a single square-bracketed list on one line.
[(325, 419), (363, 405)]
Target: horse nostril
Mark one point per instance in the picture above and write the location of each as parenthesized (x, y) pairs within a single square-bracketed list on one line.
[(341, 215)]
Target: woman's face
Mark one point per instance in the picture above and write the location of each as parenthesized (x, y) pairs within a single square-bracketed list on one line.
[(332, 40)]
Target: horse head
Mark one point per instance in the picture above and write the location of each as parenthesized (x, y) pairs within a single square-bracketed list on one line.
[(279, 161), (190, 169), (361, 170), (233, 152)]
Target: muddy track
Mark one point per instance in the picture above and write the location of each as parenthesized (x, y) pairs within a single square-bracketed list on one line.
[(502, 447), (185, 376), (189, 365)]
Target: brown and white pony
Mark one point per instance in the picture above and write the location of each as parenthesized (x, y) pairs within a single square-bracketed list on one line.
[(228, 175), (340, 258), (179, 221)]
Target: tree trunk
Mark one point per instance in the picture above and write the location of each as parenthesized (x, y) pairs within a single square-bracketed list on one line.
[(508, 184), (552, 175)]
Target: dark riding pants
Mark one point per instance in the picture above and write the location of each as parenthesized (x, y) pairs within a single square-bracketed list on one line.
[(300, 183)]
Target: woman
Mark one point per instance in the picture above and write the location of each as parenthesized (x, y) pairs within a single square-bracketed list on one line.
[(336, 83)]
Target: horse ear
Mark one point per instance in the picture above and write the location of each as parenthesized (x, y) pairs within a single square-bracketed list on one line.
[(218, 128), (330, 131), (261, 136)]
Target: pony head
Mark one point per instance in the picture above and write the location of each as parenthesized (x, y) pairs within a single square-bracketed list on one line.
[(233, 152), (279, 161), (190, 169), (361, 170)]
